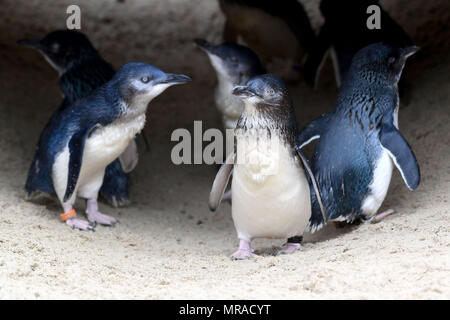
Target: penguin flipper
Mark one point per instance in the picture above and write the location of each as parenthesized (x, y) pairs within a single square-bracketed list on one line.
[(220, 183), (129, 158), (401, 153), (316, 220), (76, 149), (312, 131)]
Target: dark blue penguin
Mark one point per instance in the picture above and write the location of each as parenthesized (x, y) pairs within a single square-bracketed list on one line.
[(344, 32), (81, 70), (81, 140), (359, 142)]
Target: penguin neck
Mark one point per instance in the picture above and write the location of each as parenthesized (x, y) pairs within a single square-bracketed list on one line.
[(134, 109), (225, 84), (259, 118)]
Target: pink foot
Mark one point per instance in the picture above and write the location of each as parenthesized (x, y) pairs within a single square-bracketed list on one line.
[(382, 215), (75, 223), (245, 251), (97, 217), (289, 248)]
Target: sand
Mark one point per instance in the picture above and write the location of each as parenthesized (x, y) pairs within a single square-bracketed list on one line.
[(168, 245)]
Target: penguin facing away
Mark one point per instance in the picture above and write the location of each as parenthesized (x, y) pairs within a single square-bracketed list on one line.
[(81, 70), (271, 194), (83, 139), (359, 142), (345, 32), (275, 30), (234, 65)]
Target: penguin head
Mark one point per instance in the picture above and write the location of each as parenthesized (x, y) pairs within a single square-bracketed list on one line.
[(138, 83), (267, 90), (380, 63), (233, 62), (62, 47)]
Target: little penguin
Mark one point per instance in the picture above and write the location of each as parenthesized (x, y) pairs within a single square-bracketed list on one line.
[(81, 70), (345, 32), (270, 191), (359, 142), (278, 31), (234, 65), (83, 139)]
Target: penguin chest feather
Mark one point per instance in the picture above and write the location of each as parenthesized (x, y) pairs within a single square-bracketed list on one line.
[(270, 192), (101, 148), (230, 106)]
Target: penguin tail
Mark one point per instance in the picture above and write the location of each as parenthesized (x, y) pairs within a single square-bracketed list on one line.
[(37, 181)]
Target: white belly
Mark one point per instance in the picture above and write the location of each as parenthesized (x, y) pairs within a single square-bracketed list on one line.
[(381, 179), (271, 196), (103, 147), (229, 105), (379, 186)]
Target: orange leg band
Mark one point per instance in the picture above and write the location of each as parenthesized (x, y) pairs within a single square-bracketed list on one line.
[(68, 215)]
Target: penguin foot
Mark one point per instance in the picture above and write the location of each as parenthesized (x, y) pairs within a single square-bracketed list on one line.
[(245, 251), (242, 255), (96, 216), (79, 224), (382, 215), (289, 248), (103, 219)]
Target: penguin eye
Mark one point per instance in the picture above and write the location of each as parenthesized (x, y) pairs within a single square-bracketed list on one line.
[(146, 79), (54, 47), (391, 60)]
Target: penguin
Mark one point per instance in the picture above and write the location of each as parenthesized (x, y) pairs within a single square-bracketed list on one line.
[(234, 65), (345, 32), (359, 142), (270, 191), (275, 30), (83, 139), (81, 69)]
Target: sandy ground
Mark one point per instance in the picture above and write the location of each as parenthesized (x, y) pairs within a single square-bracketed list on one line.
[(168, 245)]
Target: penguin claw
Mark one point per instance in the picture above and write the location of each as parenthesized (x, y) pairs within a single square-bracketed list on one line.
[(80, 224), (103, 219)]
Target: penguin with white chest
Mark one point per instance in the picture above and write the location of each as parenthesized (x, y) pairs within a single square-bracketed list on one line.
[(82, 140), (271, 195), (359, 142), (234, 65)]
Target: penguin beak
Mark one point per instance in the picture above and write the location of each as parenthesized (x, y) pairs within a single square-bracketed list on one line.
[(409, 51), (204, 45), (243, 92), (35, 44), (172, 79)]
